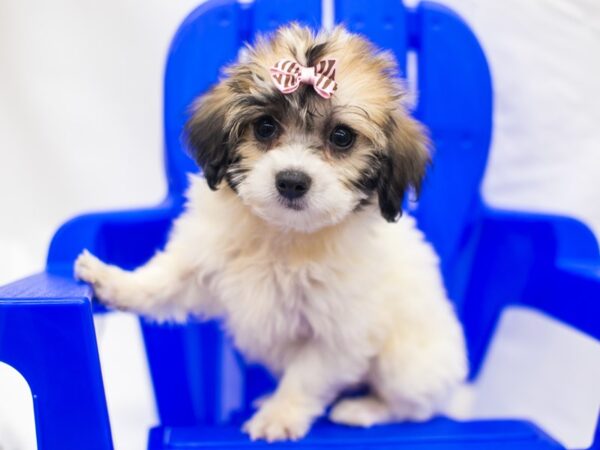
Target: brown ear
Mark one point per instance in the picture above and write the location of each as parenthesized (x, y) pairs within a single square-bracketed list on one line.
[(403, 164), (206, 135)]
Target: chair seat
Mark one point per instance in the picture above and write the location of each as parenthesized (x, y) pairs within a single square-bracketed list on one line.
[(440, 434)]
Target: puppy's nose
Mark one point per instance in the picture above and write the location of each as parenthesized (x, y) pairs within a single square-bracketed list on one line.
[(292, 184)]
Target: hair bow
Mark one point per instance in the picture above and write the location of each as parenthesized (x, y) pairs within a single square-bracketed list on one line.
[(288, 75)]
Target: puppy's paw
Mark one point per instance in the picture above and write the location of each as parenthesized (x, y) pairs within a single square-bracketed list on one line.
[(278, 421), (407, 412), (260, 401), (361, 412), (90, 269)]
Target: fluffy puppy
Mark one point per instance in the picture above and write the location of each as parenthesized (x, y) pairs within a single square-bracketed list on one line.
[(292, 239)]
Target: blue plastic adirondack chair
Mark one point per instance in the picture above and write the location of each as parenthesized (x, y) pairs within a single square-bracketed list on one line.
[(490, 258)]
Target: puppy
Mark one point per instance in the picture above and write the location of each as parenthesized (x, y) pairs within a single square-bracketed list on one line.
[(292, 237)]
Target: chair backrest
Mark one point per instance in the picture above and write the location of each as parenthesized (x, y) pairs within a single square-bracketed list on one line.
[(197, 377)]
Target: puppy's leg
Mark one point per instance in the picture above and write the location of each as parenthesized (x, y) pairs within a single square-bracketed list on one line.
[(151, 289), (364, 411), (312, 380), (417, 370)]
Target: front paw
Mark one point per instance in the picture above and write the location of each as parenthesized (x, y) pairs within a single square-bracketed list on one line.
[(278, 421), (90, 269)]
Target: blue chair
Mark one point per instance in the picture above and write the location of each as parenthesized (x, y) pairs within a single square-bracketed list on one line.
[(203, 390)]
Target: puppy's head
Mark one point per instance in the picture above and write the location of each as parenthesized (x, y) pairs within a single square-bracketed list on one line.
[(299, 160)]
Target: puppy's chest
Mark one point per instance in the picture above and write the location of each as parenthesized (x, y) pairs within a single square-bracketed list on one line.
[(271, 303)]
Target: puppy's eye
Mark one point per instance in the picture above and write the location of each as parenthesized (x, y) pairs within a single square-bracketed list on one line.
[(342, 137), (265, 128)]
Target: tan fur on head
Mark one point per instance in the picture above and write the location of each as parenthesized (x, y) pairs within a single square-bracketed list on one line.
[(388, 156)]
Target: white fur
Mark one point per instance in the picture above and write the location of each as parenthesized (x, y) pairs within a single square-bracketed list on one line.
[(358, 302), (326, 203)]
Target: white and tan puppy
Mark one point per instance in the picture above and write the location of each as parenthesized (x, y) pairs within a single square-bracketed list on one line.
[(293, 240)]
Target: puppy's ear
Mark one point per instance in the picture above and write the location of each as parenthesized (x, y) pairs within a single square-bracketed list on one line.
[(403, 164), (206, 136)]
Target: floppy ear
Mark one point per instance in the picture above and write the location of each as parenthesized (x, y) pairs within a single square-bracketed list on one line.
[(403, 164), (206, 136)]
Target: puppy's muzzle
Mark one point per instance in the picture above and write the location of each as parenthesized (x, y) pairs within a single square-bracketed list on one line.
[(292, 184)]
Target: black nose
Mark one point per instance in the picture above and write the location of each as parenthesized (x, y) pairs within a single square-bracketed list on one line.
[(292, 184)]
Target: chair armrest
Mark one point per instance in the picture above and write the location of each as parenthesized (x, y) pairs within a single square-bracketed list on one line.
[(45, 286), (564, 278), (570, 293), (47, 334), (126, 238), (529, 259), (565, 237)]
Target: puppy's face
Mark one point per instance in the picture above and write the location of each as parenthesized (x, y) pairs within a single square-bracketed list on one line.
[(300, 161)]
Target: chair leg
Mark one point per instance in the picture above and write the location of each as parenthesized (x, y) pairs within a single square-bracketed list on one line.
[(51, 342)]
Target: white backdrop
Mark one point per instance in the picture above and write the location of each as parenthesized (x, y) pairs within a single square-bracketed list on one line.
[(80, 130)]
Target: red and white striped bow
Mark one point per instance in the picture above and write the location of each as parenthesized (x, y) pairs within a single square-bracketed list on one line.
[(288, 75)]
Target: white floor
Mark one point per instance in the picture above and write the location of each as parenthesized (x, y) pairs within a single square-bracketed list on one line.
[(80, 129)]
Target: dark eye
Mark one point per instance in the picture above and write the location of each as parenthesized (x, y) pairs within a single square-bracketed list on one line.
[(342, 137), (265, 128)]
